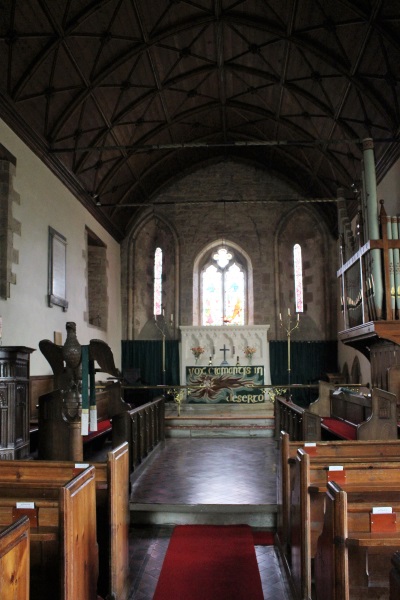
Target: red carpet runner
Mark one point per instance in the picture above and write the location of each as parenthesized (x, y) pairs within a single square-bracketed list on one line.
[(210, 562)]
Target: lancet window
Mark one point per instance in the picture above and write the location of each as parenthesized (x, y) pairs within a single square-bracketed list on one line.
[(298, 277), (158, 258), (223, 285)]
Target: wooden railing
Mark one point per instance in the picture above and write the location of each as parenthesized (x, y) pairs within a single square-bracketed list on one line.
[(142, 428)]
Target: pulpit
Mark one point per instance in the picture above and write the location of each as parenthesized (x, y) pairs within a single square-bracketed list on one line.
[(14, 402)]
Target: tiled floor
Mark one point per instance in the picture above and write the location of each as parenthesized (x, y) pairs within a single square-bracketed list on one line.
[(203, 471)]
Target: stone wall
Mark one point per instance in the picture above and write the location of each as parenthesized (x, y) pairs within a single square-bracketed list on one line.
[(8, 227), (257, 212)]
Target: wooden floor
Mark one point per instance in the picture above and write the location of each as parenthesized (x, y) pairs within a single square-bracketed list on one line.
[(207, 472)]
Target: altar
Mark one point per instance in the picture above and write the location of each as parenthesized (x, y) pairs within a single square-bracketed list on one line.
[(223, 373)]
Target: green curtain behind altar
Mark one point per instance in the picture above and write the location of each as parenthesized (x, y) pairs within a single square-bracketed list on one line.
[(146, 355), (310, 361)]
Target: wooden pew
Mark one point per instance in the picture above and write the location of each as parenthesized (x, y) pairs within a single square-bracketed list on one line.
[(394, 577), (309, 482), (355, 547), (297, 421), (333, 451), (14, 560), (361, 415), (142, 428), (112, 508), (63, 548)]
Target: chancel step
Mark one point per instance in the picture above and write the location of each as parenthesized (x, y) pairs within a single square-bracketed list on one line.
[(219, 420), (263, 515)]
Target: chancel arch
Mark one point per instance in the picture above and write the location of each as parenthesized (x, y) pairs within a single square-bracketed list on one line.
[(223, 265)]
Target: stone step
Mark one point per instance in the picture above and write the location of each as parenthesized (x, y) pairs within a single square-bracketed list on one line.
[(218, 421), (262, 515), (213, 431)]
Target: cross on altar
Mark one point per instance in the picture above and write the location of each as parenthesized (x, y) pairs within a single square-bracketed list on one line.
[(224, 350)]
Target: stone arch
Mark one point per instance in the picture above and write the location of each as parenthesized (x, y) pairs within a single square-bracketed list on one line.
[(137, 265), (302, 225)]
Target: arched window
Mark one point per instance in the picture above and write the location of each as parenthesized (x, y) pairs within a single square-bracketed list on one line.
[(298, 277), (157, 278), (223, 290)]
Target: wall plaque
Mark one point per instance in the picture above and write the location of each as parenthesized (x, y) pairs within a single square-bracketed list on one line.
[(57, 293)]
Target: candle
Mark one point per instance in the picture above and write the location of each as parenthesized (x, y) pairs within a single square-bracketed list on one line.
[(298, 316), (280, 316), (288, 311)]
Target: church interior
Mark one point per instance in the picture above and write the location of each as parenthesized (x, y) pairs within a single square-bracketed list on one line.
[(199, 294)]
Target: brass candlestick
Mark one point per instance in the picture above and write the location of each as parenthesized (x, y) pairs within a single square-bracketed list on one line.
[(162, 328), (289, 328)]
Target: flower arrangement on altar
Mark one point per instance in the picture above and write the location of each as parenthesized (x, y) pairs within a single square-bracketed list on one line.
[(197, 351), (249, 351)]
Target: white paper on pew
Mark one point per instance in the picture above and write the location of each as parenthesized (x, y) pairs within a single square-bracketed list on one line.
[(81, 465), (25, 505), (310, 445), (335, 468), (381, 510), (84, 422)]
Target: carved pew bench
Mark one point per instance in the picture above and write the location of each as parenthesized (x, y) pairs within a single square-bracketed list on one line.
[(350, 415), (355, 548)]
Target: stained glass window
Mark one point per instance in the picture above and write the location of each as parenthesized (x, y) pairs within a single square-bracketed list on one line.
[(158, 282), (223, 291), (298, 277)]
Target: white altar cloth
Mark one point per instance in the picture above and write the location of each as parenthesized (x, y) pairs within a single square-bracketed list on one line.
[(233, 337)]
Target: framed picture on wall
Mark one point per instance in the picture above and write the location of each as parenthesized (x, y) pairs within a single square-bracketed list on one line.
[(57, 284)]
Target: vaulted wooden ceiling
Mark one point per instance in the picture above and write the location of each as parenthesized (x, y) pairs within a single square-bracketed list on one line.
[(120, 97)]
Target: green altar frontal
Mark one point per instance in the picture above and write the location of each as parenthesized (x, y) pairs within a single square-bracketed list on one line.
[(225, 384)]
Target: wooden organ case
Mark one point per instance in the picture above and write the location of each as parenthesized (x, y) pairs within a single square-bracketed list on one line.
[(14, 402)]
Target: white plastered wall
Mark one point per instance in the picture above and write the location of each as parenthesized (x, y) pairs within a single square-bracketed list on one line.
[(45, 201)]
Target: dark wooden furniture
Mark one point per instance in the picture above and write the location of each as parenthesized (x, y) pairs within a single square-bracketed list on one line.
[(297, 421), (14, 560), (356, 415), (60, 438), (14, 401), (142, 427), (394, 577), (375, 336)]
